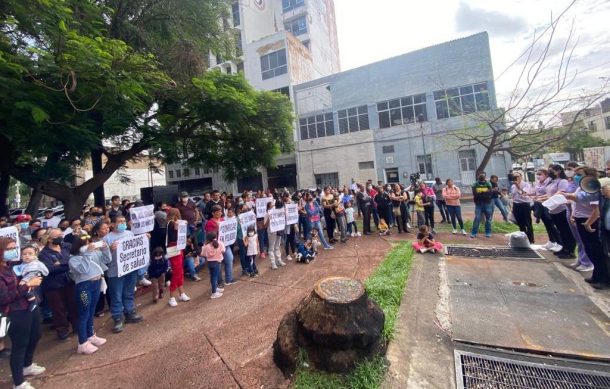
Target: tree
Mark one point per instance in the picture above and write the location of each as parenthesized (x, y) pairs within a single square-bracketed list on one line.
[(537, 102), (108, 80)]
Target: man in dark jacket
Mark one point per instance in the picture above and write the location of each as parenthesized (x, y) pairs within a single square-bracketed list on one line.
[(482, 192)]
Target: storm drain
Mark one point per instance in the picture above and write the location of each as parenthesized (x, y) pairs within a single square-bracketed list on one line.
[(492, 252), (483, 371)]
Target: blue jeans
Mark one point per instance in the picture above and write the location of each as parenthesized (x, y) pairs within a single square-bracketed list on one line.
[(375, 216), (263, 240), (214, 268), (498, 203), (318, 226), (141, 273), (251, 264), (455, 212), (87, 294), (227, 258), (304, 225), (122, 294), (487, 210), (242, 256), (189, 265)]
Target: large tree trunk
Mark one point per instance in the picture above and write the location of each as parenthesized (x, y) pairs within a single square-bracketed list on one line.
[(5, 182), (96, 165), (35, 198)]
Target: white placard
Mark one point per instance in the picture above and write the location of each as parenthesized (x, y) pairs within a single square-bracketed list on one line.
[(132, 254), (261, 206), (142, 219), (227, 231), (11, 232), (182, 230), (292, 214), (277, 220), (246, 220)]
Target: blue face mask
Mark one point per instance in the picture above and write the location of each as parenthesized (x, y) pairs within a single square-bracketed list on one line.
[(24, 226), (577, 179), (11, 255), (122, 227)]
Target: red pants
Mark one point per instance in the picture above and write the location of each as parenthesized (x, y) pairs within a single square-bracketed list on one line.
[(177, 265)]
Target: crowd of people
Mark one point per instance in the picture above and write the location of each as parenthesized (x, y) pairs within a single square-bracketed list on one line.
[(67, 270)]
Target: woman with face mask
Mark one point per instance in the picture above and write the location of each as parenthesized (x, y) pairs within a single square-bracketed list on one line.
[(541, 191), (24, 329), (58, 288), (583, 262)]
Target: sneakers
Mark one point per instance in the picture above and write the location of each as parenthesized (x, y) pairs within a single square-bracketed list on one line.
[(184, 297), (360, 233), (33, 369), (97, 341), (172, 302), (548, 245), (273, 267), (281, 263), (329, 248), (263, 255), (144, 282), (216, 295), (409, 225), (584, 268), (196, 278), (422, 250), (219, 289), (230, 282), (464, 232), (24, 385), (86, 348), (454, 231), (556, 247), (289, 257)]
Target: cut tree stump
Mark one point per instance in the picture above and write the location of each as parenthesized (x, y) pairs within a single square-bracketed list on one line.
[(337, 325)]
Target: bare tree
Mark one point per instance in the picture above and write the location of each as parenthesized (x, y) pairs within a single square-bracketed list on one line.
[(532, 117)]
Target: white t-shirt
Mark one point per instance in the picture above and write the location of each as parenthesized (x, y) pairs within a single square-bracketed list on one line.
[(252, 245), (349, 214), (49, 223)]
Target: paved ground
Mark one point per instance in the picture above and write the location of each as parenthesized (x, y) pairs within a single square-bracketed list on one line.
[(224, 343)]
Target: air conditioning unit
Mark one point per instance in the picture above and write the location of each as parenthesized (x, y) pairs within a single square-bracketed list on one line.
[(389, 160)]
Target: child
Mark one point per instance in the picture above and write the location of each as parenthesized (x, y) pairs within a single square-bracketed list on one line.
[(157, 270), (29, 269), (252, 250), (191, 260), (383, 228), (315, 240), (352, 229), (419, 207), (306, 252), (213, 251), (425, 241)]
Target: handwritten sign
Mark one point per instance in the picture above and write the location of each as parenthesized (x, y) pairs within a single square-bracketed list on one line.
[(227, 231), (12, 233), (246, 220), (132, 254), (277, 220), (142, 219), (261, 206), (182, 228), (292, 214)]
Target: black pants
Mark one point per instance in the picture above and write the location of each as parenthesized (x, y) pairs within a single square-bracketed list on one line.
[(523, 216), (593, 247), (401, 218), (330, 223), (25, 334), (366, 219), (567, 238), (62, 302), (549, 224), (429, 215), (442, 208), (291, 244)]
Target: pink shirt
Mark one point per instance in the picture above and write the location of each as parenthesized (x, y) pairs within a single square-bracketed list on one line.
[(452, 195), (213, 254)]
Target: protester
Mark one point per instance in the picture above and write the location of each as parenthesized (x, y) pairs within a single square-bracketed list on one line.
[(541, 213), (566, 240), (176, 261), (251, 245), (582, 263), (440, 200), (452, 195), (425, 241), (49, 221), (189, 212), (314, 213), (366, 204), (481, 192), (496, 197), (522, 209), (29, 268), (212, 225), (116, 209), (213, 252), (157, 269), (328, 205)]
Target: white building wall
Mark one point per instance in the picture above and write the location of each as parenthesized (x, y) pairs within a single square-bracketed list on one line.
[(140, 178)]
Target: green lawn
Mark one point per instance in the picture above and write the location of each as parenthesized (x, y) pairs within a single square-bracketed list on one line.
[(385, 286)]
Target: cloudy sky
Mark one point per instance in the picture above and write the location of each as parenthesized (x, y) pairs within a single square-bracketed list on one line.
[(370, 31)]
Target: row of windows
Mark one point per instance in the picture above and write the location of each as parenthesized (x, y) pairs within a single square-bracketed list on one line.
[(297, 26), (187, 172), (353, 119), (317, 126), (288, 5), (274, 64), (461, 101), (401, 111)]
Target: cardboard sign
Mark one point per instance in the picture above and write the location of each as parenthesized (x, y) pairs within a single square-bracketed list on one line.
[(132, 254), (11, 232), (277, 220), (246, 220), (142, 219), (182, 231), (292, 214), (227, 231), (261, 206)]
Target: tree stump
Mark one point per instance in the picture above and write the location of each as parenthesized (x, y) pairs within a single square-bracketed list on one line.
[(337, 325)]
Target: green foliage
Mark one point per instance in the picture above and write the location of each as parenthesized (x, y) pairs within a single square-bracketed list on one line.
[(502, 227)]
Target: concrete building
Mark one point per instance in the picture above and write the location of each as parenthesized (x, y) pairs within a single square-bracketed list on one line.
[(283, 43), (389, 119), (596, 120)]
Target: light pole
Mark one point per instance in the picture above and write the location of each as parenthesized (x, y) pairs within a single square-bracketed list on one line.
[(420, 119)]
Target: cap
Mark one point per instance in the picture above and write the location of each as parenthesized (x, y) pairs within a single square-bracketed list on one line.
[(139, 203), (184, 194), (49, 210), (23, 218)]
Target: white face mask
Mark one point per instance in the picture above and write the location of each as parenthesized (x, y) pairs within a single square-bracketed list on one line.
[(570, 173), (250, 233)]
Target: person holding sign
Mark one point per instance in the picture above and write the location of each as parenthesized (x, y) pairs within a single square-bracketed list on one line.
[(87, 265), (314, 212), (121, 289), (213, 251), (292, 218), (213, 226), (176, 262), (275, 231)]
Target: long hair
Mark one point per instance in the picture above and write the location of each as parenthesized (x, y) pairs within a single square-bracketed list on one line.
[(173, 212), (210, 237), (4, 242)]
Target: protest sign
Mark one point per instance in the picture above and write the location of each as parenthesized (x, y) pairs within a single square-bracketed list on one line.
[(227, 231), (277, 220), (182, 229), (142, 219), (246, 220), (261, 206), (12, 233), (292, 214), (132, 254)]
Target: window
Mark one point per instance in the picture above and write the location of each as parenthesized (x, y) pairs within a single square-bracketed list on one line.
[(297, 26), (197, 171), (327, 179), (353, 119), (187, 172), (206, 171), (387, 149), (219, 59), (274, 64), (317, 126), (391, 175), (178, 173), (235, 10), (592, 126), (424, 165), (285, 91), (405, 110), (288, 5), (607, 122), (238, 47), (307, 44), (171, 173), (461, 101), (366, 165)]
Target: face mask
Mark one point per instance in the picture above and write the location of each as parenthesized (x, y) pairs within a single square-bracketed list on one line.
[(122, 227), (482, 179), (24, 226), (250, 233), (11, 255), (570, 173), (552, 175), (539, 177), (57, 240), (158, 258), (577, 178)]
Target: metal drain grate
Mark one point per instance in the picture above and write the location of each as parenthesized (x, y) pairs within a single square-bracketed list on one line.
[(483, 371), (492, 252)]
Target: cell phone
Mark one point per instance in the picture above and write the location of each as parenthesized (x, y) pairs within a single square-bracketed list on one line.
[(98, 244)]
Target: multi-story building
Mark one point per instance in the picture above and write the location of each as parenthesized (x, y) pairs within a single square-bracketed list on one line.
[(389, 119), (282, 43), (596, 119)]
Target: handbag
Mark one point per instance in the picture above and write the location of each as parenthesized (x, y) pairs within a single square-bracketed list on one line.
[(171, 251), (4, 324)]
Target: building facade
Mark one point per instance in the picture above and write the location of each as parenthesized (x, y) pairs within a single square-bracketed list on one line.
[(282, 43), (390, 119), (596, 119)]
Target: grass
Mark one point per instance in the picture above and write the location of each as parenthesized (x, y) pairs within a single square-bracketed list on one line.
[(385, 286), (498, 227)]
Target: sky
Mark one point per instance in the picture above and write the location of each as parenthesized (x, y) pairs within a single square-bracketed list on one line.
[(371, 31)]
